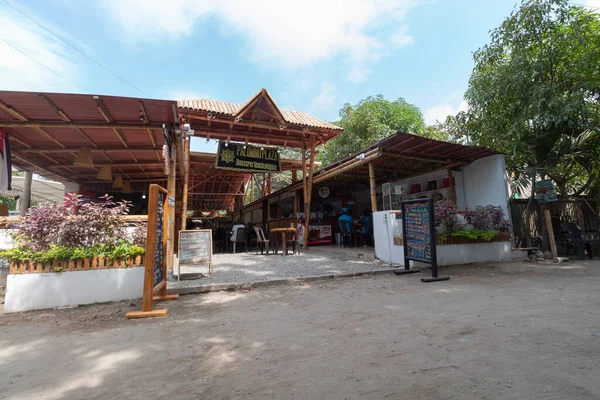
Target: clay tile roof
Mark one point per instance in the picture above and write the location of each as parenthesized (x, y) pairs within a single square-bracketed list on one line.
[(230, 109)]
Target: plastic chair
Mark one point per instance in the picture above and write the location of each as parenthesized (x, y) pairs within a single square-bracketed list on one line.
[(261, 241)]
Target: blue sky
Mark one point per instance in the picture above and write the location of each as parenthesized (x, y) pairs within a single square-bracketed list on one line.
[(312, 55)]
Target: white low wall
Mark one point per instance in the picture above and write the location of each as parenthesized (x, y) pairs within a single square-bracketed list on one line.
[(386, 225), (38, 291)]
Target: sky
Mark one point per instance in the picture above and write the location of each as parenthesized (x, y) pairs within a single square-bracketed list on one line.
[(312, 55)]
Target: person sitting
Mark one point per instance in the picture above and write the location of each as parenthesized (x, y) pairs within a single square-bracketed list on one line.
[(347, 221), (366, 227), (234, 229)]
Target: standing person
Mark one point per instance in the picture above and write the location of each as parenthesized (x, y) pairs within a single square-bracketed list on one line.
[(366, 227)]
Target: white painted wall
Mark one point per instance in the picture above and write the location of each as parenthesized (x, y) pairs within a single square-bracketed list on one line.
[(50, 290), (485, 183)]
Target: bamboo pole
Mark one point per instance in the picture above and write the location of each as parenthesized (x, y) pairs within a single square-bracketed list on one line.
[(309, 186), (184, 205), (294, 176), (373, 187), (171, 180), (452, 186), (550, 233)]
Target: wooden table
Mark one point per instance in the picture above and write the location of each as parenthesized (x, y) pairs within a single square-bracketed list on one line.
[(283, 241)]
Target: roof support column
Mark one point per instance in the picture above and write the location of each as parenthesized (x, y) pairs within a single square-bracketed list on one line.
[(26, 197), (308, 183), (186, 176), (452, 187), (373, 187), (171, 180)]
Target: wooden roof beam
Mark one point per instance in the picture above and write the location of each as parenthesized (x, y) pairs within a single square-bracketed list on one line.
[(95, 150), (152, 138), (60, 112), (121, 137), (13, 111), (103, 110), (143, 113), (83, 125)]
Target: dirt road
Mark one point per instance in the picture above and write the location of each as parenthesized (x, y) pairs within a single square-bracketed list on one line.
[(506, 331)]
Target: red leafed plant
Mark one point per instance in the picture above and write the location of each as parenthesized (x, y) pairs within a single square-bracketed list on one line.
[(73, 223)]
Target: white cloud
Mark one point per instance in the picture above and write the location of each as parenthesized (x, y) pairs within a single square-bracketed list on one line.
[(401, 38), (593, 4), (19, 72), (286, 34), (439, 112), (324, 101)]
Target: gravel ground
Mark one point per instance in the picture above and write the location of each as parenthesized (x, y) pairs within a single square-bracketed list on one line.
[(250, 267)]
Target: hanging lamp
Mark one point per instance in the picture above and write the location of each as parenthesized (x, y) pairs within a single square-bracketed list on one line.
[(118, 183), (84, 158), (127, 187), (105, 173)]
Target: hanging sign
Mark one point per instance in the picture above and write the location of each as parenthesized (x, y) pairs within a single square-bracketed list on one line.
[(544, 192), (237, 157)]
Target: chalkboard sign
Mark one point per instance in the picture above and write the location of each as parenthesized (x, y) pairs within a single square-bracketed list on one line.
[(195, 247), (159, 243), (418, 222)]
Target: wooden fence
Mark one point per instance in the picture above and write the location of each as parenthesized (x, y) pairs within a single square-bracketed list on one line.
[(82, 264), (576, 210)]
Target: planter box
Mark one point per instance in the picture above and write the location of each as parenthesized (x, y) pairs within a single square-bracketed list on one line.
[(388, 246), (34, 291), (82, 264)]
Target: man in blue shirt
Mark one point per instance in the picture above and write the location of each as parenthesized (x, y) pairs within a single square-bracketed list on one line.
[(346, 219)]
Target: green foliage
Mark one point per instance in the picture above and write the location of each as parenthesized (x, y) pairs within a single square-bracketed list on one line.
[(9, 201), (474, 235), (370, 121), (122, 250), (535, 90)]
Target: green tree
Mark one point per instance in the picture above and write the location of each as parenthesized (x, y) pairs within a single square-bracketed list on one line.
[(535, 90), (369, 121), (9, 201)]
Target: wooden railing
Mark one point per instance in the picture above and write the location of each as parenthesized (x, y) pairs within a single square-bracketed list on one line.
[(5, 221), (82, 264)]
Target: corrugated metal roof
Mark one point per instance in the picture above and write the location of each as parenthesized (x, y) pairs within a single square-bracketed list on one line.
[(230, 109)]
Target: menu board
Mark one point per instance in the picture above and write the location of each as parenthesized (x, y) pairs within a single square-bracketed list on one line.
[(158, 247), (419, 230), (195, 247)]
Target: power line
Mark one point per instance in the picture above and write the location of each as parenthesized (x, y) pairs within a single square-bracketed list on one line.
[(73, 47), (42, 64)]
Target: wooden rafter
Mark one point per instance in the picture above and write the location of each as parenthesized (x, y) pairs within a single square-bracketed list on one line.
[(143, 113), (60, 112), (13, 111), (103, 110), (152, 138), (83, 125), (121, 136), (95, 150), (49, 137)]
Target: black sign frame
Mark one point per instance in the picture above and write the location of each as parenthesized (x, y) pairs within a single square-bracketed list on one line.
[(246, 158), (428, 203)]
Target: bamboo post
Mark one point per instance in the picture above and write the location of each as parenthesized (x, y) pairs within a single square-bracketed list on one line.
[(251, 189), (550, 233), (373, 187), (309, 185), (184, 197), (452, 187), (171, 180), (294, 176)]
